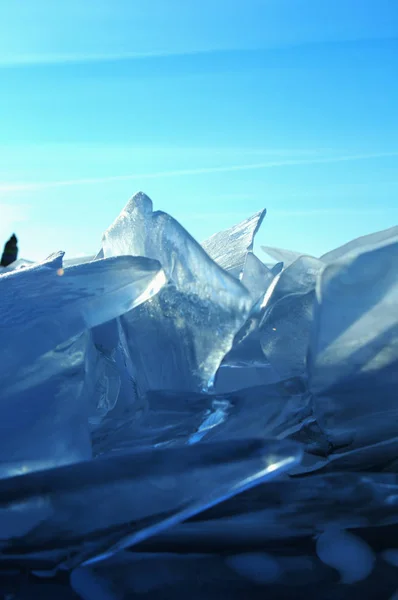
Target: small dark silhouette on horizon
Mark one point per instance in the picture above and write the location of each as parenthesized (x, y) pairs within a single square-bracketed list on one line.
[(10, 252)]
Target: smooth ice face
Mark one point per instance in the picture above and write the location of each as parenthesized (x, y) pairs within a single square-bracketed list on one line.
[(256, 277), (80, 260), (287, 319), (258, 336), (45, 305), (299, 277), (114, 391), (285, 333), (178, 339), (361, 244), (229, 248), (44, 410), (287, 257), (353, 359)]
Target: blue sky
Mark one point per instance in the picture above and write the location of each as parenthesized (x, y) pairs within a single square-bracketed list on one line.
[(215, 109)]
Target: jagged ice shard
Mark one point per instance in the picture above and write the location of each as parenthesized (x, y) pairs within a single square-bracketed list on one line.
[(178, 339), (47, 354), (353, 364), (229, 248), (180, 419)]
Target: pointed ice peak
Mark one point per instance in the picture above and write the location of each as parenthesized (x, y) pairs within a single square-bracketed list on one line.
[(229, 248), (54, 261), (180, 338), (128, 233), (140, 201)]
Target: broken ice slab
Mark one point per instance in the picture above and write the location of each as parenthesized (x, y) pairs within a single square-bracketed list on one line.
[(360, 244), (277, 268), (20, 263), (178, 339), (231, 378), (353, 359), (44, 411), (96, 508), (281, 255), (286, 508), (229, 248), (256, 277), (379, 457), (114, 393), (52, 377), (179, 418), (285, 334), (298, 278), (45, 305), (80, 260)]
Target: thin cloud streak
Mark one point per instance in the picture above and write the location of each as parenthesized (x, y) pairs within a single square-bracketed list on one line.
[(241, 215), (32, 186), (32, 60), (327, 212)]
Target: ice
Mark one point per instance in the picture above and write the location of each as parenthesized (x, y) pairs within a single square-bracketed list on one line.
[(48, 385), (178, 339), (286, 257), (277, 331), (20, 263), (350, 555), (175, 427), (165, 575), (180, 418), (231, 378), (354, 348), (130, 497), (257, 567), (277, 268), (48, 304), (256, 277), (206, 575), (290, 509), (229, 248), (299, 277), (361, 244), (80, 260), (285, 333), (391, 556), (45, 410)]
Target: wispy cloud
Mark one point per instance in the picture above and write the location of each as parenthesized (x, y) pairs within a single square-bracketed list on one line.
[(27, 60), (41, 185), (329, 212)]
